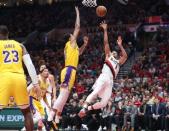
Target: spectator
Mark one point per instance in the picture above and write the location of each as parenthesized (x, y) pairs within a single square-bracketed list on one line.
[(158, 115)]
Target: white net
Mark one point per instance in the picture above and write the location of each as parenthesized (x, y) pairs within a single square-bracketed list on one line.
[(89, 3)]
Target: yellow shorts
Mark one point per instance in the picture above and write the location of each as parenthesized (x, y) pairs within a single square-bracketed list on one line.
[(35, 105), (68, 76), (13, 85)]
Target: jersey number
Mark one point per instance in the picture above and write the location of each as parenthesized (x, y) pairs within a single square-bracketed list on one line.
[(7, 55), (114, 63)]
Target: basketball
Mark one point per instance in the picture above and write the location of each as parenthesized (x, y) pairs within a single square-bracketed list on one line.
[(101, 11)]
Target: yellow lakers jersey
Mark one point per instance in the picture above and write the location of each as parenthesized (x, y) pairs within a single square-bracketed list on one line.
[(43, 86), (71, 55), (10, 56)]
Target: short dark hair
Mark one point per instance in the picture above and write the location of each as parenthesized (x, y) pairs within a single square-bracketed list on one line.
[(4, 30), (66, 37)]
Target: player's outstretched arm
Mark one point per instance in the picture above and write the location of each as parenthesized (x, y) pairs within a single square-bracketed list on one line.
[(77, 28), (31, 69), (123, 58), (85, 43), (107, 50), (29, 65)]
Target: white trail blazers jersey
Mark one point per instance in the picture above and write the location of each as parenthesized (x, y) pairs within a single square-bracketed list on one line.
[(111, 66)]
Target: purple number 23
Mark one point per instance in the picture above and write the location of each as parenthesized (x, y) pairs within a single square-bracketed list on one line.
[(7, 54)]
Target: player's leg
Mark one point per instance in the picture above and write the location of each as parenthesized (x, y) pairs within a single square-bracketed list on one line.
[(48, 97), (22, 99), (39, 115), (98, 87), (61, 100), (34, 107), (105, 95), (47, 109), (58, 102), (58, 107), (36, 114), (28, 119), (67, 79), (91, 97)]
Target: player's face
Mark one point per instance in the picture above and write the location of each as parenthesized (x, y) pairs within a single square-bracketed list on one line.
[(45, 73)]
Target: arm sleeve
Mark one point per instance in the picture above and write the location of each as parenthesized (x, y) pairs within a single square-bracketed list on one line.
[(29, 87), (31, 69)]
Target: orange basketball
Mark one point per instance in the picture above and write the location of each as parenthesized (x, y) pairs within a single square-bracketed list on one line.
[(101, 11)]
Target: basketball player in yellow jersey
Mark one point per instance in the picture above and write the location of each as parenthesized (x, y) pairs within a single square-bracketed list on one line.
[(37, 102), (51, 90), (12, 78), (68, 73)]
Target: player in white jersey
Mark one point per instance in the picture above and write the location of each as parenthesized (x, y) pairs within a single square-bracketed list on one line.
[(103, 85)]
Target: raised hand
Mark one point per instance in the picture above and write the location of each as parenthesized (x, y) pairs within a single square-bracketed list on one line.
[(77, 9), (119, 40), (37, 90), (103, 25)]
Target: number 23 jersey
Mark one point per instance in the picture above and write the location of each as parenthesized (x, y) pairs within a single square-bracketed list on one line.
[(10, 57)]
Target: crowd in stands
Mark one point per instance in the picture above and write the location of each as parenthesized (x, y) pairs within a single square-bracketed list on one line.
[(139, 100)]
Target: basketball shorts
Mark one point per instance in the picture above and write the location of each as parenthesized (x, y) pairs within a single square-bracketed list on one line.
[(103, 86), (68, 76), (36, 107), (13, 85)]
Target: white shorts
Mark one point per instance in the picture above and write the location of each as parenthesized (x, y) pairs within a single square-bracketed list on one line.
[(103, 86)]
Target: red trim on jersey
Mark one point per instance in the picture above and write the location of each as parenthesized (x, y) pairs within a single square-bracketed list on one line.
[(111, 67)]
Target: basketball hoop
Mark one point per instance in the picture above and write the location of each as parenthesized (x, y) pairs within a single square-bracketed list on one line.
[(89, 3)]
